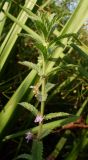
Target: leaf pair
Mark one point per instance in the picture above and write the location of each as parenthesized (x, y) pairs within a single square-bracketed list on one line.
[(35, 111)]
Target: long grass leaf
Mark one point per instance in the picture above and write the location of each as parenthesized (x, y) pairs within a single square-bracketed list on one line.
[(72, 26), (32, 33), (10, 107), (12, 36), (6, 7)]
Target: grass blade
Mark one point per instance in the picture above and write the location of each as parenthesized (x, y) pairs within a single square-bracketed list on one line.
[(12, 36)]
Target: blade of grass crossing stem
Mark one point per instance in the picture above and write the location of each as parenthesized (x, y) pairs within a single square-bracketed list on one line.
[(6, 7), (32, 34), (10, 107), (13, 35), (47, 126)]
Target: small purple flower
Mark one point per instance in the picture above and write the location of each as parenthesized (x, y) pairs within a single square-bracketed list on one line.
[(39, 119), (29, 136)]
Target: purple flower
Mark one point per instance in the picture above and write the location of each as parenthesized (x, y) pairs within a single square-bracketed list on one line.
[(29, 136), (39, 119)]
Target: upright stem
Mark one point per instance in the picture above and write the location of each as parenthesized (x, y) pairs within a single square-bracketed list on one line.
[(43, 90), (43, 98)]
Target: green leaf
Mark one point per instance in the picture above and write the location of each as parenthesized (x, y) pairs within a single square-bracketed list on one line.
[(69, 35), (6, 7), (59, 123), (72, 26), (2, 4), (42, 49), (55, 115), (31, 15), (12, 35), (37, 150), (49, 86), (30, 65), (29, 107), (48, 126), (32, 33), (82, 50), (44, 133), (77, 19), (10, 107)]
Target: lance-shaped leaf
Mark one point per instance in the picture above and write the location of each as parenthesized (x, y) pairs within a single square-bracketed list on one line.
[(55, 115), (45, 133), (29, 107), (31, 65)]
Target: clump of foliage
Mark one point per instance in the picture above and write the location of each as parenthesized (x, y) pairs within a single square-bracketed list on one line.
[(50, 77)]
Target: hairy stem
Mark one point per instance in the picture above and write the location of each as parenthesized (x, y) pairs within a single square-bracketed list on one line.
[(43, 99)]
